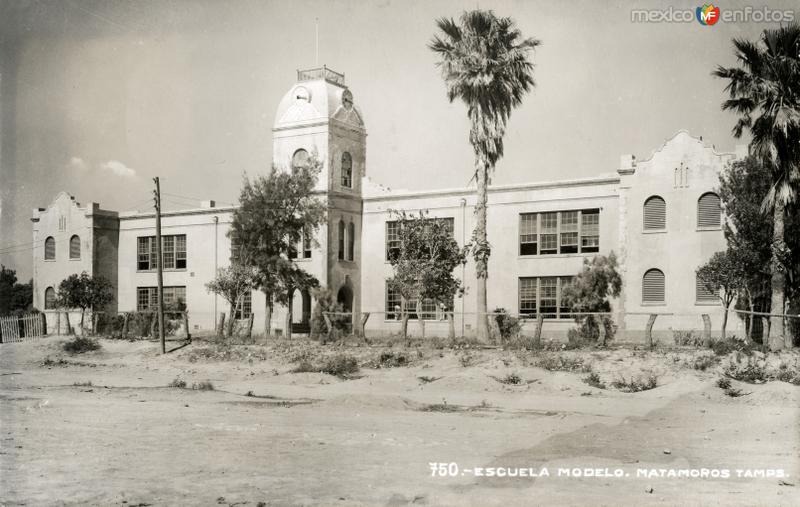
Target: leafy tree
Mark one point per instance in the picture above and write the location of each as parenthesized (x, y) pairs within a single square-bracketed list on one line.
[(725, 275), (232, 283), (424, 266), (484, 62), (8, 278), (589, 293), (764, 90), (84, 292), (277, 212), (748, 231)]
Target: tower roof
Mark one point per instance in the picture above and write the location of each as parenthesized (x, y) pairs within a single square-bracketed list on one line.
[(319, 95)]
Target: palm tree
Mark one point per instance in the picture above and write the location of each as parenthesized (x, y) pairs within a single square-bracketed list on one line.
[(484, 62), (764, 89)]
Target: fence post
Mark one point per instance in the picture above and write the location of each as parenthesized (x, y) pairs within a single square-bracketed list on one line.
[(601, 339), (706, 330), (537, 335), (186, 325), (58, 323), (249, 327), (329, 326), (125, 325), (94, 322), (69, 326), (648, 331), (364, 319)]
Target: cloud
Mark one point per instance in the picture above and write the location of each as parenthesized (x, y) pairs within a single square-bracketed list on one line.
[(118, 168), (77, 164)]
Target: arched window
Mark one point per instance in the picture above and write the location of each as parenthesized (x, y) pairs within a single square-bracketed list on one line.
[(75, 247), (300, 159), (351, 241), (49, 298), (709, 210), (50, 249), (341, 239), (655, 213), (653, 286), (347, 170)]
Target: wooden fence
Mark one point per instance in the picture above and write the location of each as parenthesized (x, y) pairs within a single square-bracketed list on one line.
[(20, 328)]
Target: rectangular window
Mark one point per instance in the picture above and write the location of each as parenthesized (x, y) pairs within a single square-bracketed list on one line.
[(306, 245), (542, 295), (527, 296), (548, 297), (174, 298), (245, 308), (528, 239), (564, 232), (569, 232), (392, 240), (392, 303), (590, 230), (173, 252)]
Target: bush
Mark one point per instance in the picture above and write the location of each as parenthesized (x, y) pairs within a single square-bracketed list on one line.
[(594, 380), (179, 383), (723, 383), (687, 338), (203, 386), (635, 385), (725, 347), (508, 326), (466, 359), (704, 362), (392, 360), (304, 367), (511, 379), (556, 362), (80, 344), (747, 369), (326, 302), (340, 365)]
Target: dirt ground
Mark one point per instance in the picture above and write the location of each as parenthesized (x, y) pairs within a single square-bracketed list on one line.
[(104, 428)]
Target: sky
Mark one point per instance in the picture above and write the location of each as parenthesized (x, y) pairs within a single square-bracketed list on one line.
[(98, 97)]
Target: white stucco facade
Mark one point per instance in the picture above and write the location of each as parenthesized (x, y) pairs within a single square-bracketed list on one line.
[(591, 216)]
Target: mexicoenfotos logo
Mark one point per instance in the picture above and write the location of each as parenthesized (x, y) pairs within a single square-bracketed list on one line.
[(707, 15)]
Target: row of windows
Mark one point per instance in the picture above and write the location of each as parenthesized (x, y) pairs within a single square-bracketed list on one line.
[(147, 297), (300, 159), (50, 248), (556, 232), (709, 212), (429, 310), (393, 235), (173, 252), (542, 295), (654, 289)]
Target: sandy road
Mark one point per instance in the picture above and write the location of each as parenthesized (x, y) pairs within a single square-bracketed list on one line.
[(313, 439)]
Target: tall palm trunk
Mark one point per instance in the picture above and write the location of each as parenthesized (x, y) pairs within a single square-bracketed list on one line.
[(482, 252), (777, 328)]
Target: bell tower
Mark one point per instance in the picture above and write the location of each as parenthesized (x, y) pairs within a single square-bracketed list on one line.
[(318, 117)]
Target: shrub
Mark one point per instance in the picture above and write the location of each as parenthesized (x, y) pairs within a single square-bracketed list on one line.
[(557, 362), (725, 347), (508, 326), (88, 383), (704, 362), (392, 360), (723, 383), (326, 302), (203, 386), (747, 369), (340, 365), (466, 359), (427, 380), (179, 383), (511, 379), (80, 344), (687, 338), (594, 380), (304, 367), (635, 385)]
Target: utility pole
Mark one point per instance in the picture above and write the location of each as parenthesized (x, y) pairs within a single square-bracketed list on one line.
[(157, 198)]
